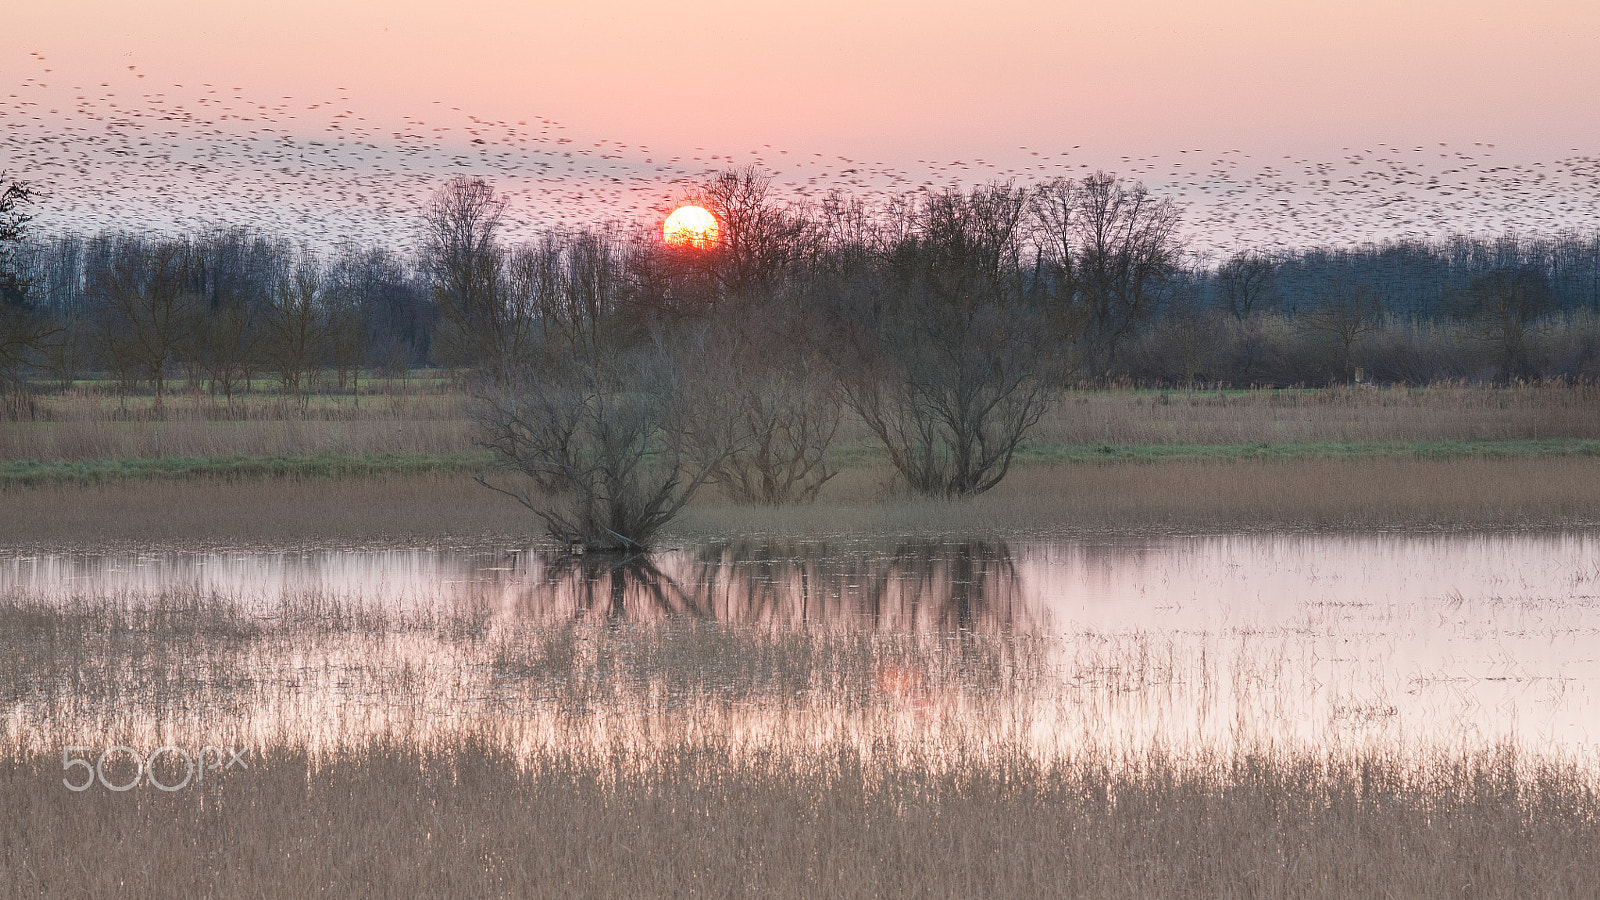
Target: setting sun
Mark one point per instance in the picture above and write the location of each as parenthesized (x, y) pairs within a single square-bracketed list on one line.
[(690, 226)]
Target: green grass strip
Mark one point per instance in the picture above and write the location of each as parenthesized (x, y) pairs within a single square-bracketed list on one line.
[(322, 465), (367, 465), (1153, 453)]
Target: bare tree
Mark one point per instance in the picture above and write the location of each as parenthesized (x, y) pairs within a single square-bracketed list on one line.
[(14, 221), (1242, 282), (1505, 306), (149, 306), (484, 324), (242, 271), (1186, 341), (68, 351), (763, 341), (347, 309), (594, 426), (23, 330), (956, 358), (1106, 252), (783, 401), (227, 343), (392, 308), (763, 240), (296, 329), (1343, 313)]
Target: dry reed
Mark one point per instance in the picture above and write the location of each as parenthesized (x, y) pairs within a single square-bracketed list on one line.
[(693, 759), (83, 425), (462, 817)]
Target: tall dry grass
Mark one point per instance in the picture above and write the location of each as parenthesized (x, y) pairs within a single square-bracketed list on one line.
[(692, 759), (462, 817), (83, 424)]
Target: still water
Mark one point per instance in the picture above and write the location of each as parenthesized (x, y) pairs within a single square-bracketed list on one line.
[(1193, 641)]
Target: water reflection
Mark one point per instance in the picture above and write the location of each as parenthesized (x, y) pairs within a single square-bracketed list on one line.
[(913, 586), (1314, 638), (908, 586)]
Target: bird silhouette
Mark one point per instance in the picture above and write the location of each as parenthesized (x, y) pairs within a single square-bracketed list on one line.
[(124, 152)]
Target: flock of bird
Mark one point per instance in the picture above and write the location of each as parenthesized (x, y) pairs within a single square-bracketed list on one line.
[(126, 153)]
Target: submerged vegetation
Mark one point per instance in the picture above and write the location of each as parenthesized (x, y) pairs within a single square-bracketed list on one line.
[(448, 749)]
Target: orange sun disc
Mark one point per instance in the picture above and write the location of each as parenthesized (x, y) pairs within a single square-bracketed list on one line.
[(690, 226)]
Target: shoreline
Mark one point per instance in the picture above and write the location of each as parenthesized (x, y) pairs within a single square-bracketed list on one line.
[(1122, 499)]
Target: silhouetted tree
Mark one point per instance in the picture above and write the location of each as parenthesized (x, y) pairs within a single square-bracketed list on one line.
[(1343, 314), (22, 329), (783, 399), (762, 240), (956, 358), (295, 329), (483, 324), (1505, 306), (148, 306), (1242, 282), (1106, 253), (603, 434)]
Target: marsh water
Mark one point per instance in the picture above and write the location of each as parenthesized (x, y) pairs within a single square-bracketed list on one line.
[(1456, 639)]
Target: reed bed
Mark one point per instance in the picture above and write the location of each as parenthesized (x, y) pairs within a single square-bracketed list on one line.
[(448, 751), (147, 666), (460, 816)]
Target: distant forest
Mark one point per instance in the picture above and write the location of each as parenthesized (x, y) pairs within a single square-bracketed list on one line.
[(1095, 267)]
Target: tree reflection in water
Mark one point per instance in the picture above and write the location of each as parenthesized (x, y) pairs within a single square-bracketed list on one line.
[(608, 587), (912, 586)]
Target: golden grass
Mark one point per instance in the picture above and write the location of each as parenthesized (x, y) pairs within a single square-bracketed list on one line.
[(461, 817), (83, 425)]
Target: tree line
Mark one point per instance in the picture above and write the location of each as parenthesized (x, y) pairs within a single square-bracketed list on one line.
[(1117, 290), (615, 376)]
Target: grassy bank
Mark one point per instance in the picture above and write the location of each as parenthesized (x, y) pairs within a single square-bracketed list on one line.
[(1181, 495), (84, 425), (397, 465), (32, 473)]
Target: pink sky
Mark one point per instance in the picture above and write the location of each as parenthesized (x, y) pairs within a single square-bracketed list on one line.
[(899, 80), (1229, 105)]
